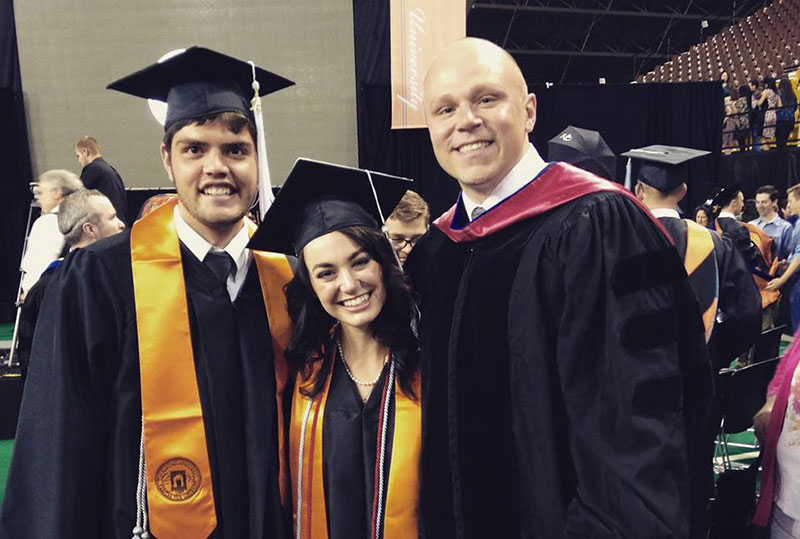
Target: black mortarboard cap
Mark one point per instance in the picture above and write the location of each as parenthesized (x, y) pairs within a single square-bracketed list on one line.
[(722, 196), (198, 82), (663, 167), (318, 198)]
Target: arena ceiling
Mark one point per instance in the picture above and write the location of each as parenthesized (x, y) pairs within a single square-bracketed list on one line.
[(580, 41)]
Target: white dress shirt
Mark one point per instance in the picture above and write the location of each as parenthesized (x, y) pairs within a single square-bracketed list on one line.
[(665, 212), (518, 177), (45, 244), (237, 248)]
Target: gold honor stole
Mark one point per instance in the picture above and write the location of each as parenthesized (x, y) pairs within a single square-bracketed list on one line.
[(700, 258), (180, 497), (403, 494)]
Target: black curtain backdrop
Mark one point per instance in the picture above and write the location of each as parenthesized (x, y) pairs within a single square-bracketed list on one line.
[(627, 115), (15, 196), (751, 170)]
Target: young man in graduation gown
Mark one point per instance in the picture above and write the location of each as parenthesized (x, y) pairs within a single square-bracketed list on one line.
[(728, 296), (753, 243), (152, 406), (562, 348)]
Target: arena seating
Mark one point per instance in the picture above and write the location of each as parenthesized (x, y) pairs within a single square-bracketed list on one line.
[(765, 43)]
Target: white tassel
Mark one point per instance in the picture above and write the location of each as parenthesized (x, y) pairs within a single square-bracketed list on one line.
[(628, 175), (140, 530), (382, 449), (265, 196)]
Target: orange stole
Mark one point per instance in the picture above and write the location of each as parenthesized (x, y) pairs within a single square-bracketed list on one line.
[(175, 447), (764, 244), (402, 499), (699, 246)]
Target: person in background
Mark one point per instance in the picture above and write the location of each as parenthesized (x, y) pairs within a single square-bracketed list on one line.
[(756, 114), (743, 112), (769, 101), (84, 217), (98, 174), (701, 216), (720, 278), (786, 112), (407, 224), (729, 124), (777, 427), (789, 275), (770, 222), (45, 242)]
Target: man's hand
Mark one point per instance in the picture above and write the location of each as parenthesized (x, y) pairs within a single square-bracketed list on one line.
[(775, 284), (761, 420)]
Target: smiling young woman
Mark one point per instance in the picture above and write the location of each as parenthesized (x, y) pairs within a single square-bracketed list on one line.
[(355, 420)]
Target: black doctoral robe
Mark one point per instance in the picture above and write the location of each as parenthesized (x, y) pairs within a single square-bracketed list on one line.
[(563, 361), (74, 469)]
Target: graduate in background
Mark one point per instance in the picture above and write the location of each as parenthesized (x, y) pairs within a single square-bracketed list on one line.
[(152, 408), (355, 427), (719, 276)]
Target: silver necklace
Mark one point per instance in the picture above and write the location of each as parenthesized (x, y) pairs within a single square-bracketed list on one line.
[(354, 378)]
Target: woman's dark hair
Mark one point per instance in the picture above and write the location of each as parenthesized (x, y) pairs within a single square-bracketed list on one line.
[(769, 82), (749, 211), (706, 210), (393, 327), (745, 91), (788, 98)]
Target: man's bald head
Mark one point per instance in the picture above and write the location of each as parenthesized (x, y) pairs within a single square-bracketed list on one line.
[(478, 50), (479, 113)]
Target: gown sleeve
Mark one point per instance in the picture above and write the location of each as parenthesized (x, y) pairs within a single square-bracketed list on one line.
[(57, 478), (739, 315), (632, 365)]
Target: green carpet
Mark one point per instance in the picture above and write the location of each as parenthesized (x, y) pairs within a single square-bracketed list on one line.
[(6, 332), (6, 446)]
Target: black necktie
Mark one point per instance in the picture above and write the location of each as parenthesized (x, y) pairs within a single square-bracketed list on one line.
[(476, 212), (220, 263)]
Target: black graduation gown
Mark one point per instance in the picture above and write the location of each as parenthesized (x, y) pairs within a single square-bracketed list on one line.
[(74, 468), (350, 441), (100, 175), (29, 314), (738, 234), (552, 353), (739, 313)]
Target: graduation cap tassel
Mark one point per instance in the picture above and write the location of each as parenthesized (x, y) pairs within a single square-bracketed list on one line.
[(384, 229), (628, 175), (265, 196)]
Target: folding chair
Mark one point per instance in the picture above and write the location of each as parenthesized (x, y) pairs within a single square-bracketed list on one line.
[(744, 391), (767, 345)]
